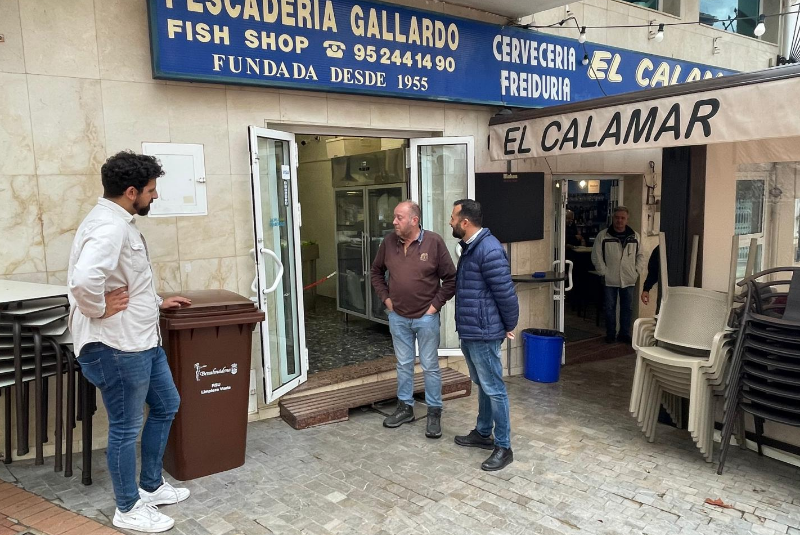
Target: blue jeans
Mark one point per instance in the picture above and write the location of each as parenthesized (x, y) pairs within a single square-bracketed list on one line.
[(425, 331), (486, 371), (626, 296), (126, 381)]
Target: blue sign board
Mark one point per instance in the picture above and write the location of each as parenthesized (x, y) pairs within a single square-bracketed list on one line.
[(382, 49)]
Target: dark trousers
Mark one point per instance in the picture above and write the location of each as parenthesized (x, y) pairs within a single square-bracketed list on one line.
[(626, 296)]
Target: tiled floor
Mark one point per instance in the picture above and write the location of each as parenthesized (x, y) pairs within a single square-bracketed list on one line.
[(333, 343), (582, 467)]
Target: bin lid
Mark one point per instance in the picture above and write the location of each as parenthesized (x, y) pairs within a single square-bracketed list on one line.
[(209, 303), (543, 332)]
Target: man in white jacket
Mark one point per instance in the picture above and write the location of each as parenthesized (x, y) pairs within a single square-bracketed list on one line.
[(618, 257), (114, 323)]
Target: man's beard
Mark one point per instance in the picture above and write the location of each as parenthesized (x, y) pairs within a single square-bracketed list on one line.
[(141, 210), (458, 233)]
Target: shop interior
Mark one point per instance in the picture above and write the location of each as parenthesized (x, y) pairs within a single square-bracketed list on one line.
[(590, 204), (348, 188)]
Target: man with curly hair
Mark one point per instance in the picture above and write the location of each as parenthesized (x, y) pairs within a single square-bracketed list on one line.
[(114, 325)]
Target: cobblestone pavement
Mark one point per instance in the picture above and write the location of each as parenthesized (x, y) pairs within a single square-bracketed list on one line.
[(581, 467)]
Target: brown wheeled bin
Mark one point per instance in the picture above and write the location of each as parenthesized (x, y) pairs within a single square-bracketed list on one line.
[(208, 347)]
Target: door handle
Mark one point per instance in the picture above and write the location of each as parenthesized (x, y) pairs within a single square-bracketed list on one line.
[(278, 278), (364, 249), (558, 286), (568, 267), (254, 285)]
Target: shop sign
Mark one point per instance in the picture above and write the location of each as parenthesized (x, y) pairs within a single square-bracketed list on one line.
[(728, 115), (382, 49)]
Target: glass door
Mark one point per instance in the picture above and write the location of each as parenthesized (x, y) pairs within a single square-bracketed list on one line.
[(749, 222), (277, 252), (560, 263), (443, 171)]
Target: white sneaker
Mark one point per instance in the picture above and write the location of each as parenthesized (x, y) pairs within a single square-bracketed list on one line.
[(164, 495), (143, 517)]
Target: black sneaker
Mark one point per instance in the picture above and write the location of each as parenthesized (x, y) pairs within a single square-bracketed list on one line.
[(624, 339), (610, 339), (475, 440), (499, 459), (403, 414), (434, 427)]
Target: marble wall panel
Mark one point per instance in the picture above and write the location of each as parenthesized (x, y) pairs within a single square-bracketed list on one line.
[(16, 137), (60, 37), (135, 113), (460, 122), (210, 236), (22, 246), (198, 115), (65, 202), (246, 108), (390, 115), (246, 273), (346, 112), (123, 40), (161, 234), (208, 274), (57, 277), (301, 108), (167, 276), (242, 214), (39, 277), (67, 120), (12, 58), (426, 117)]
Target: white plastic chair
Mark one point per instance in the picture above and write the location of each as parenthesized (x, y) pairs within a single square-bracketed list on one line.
[(682, 353)]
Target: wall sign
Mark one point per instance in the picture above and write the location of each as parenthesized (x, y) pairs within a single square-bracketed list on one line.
[(728, 115), (382, 49)]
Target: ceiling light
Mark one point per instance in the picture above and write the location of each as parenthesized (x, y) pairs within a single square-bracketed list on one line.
[(582, 37), (582, 183), (585, 60)]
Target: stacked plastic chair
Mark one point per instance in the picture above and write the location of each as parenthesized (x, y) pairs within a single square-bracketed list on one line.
[(684, 352), (35, 345), (765, 370)]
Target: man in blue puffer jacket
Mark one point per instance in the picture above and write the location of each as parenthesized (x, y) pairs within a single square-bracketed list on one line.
[(487, 311)]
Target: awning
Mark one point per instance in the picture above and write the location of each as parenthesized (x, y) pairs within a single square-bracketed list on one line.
[(741, 107)]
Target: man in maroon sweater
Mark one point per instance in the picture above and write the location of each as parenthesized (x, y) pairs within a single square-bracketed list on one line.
[(422, 278)]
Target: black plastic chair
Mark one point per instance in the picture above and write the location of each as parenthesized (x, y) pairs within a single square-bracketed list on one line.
[(765, 370)]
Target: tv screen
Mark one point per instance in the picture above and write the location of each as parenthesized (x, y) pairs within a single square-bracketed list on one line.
[(512, 205)]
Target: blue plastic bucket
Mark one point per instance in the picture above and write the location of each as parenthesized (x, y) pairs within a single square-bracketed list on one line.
[(542, 349)]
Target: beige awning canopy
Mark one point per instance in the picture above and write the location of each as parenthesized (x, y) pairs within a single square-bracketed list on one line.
[(743, 107)]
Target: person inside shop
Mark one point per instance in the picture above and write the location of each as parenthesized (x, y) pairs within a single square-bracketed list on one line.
[(422, 278), (617, 257), (653, 277), (114, 312), (573, 235), (487, 312)]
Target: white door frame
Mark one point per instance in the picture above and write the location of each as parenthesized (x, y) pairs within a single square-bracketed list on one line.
[(262, 257), (414, 191)]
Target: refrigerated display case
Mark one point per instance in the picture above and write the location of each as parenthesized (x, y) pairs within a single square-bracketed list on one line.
[(367, 189)]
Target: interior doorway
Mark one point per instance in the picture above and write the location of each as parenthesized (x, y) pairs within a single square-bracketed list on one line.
[(585, 205), (322, 205), (348, 188), (590, 204)]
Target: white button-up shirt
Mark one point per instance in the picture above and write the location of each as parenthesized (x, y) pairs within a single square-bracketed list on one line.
[(109, 252)]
